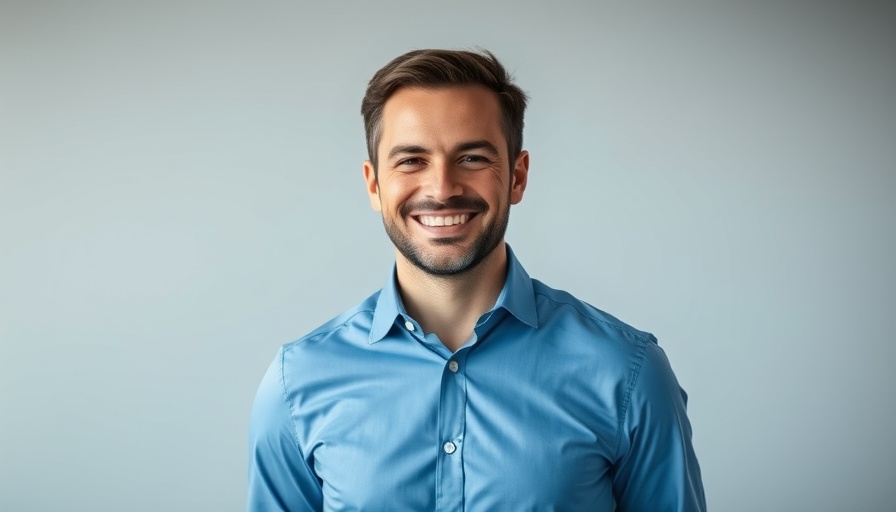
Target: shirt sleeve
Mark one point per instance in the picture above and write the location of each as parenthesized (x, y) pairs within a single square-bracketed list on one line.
[(656, 469), (279, 476)]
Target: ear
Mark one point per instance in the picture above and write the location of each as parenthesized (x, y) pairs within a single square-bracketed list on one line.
[(519, 176), (373, 189)]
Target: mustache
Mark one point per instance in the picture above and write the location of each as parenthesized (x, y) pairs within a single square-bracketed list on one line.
[(476, 204)]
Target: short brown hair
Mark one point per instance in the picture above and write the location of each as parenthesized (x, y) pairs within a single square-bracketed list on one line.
[(439, 68)]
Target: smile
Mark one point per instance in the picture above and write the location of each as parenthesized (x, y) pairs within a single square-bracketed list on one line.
[(446, 220)]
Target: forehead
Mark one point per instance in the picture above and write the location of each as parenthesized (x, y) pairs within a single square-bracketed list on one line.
[(441, 115)]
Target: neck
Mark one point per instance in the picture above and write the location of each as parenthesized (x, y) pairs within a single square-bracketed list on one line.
[(450, 306)]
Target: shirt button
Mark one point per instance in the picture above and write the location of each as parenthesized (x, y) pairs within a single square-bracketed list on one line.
[(453, 366), (409, 326), (449, 447)]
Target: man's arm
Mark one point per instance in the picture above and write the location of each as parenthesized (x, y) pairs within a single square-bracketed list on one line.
[(279, 477), (656, 469)]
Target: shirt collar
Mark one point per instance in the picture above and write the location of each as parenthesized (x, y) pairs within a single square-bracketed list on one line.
[(517, 297), (388, 307), (518, 294)]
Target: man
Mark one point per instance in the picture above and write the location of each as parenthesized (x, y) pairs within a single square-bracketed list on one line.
[(463, 384)]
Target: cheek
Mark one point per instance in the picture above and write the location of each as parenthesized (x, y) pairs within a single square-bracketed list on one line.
[(393, 196), (495, 189)]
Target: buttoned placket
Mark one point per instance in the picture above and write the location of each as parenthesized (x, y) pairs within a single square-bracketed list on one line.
[(452, 413), (452, 426), (449, 491)]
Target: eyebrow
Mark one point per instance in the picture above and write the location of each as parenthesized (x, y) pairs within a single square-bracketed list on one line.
[(478, 144), (407, 148), (464, 146)]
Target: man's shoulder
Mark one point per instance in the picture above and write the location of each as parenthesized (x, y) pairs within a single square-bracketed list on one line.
[(555, 305), (350, 325)]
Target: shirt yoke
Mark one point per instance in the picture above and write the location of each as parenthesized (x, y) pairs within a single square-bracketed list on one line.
[(562, 299), (362, 313)]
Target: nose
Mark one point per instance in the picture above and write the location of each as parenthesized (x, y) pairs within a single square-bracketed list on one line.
[(442, 182)]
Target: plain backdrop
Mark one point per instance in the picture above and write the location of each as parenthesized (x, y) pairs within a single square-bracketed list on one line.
[(181, 193)]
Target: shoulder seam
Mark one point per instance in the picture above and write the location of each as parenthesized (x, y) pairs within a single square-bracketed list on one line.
[(294, 431), (637, 364), (289, 417)]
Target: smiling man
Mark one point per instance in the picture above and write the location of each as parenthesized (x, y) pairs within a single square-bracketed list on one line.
[(464, 384)]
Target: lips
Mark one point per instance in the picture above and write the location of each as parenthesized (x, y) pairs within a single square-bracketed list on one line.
[(443, 220)]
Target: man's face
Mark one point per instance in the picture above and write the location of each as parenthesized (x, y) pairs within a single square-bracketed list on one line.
[(445, 182)]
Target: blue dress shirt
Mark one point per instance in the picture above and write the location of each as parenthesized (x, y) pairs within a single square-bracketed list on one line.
[(551, 404)]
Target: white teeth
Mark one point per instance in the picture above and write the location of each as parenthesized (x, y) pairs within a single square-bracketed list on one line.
[(431, 220)]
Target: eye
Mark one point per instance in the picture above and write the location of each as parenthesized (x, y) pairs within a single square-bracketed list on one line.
[(409, 162), (474, 162)]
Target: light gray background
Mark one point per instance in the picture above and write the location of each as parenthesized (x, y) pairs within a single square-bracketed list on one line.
[(181, 192)]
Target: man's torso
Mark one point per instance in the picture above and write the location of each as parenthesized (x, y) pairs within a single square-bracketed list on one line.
[(532, 414)]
